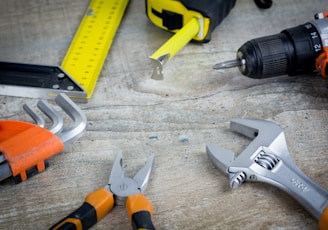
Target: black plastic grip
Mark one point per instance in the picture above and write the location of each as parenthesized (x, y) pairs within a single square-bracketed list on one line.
[(86, 215), (142, 220), (216, 10)]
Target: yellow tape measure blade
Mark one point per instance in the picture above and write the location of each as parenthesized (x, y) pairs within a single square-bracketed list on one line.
[(91, 43)]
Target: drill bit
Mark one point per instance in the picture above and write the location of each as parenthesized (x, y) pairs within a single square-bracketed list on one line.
[(228, 64)]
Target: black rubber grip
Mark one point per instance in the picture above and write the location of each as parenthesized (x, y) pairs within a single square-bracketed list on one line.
[(142, 220), (216, 10), (86, 214)]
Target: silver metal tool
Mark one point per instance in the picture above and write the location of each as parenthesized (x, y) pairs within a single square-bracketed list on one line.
[(66, 135), (49, 111), (122, 186), (120, 190), (266, 159)]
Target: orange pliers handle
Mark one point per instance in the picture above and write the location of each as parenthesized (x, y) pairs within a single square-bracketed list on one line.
[(140, 211), (97, 204)]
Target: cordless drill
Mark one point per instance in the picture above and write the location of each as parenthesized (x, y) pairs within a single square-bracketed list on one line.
[(298, 50)]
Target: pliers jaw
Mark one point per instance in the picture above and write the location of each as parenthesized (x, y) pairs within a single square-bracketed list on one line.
[(122, 186)]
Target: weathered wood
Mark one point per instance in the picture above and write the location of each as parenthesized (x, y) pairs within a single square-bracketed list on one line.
[(173, 119)]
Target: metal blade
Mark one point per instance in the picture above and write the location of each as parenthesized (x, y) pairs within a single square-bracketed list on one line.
[(143, 175), (117, 172)]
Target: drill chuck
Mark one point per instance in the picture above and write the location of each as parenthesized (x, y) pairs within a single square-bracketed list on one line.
[(293, 51), (265, 57)]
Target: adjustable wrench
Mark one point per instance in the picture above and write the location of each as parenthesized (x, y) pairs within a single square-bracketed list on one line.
[(266, 159)]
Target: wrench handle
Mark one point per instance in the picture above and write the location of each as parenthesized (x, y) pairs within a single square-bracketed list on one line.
[(288, 177)]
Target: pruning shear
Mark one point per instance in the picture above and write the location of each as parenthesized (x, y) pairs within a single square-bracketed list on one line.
[(119, 190)]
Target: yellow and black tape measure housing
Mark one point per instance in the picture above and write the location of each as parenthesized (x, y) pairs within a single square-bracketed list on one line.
[(172, 15)]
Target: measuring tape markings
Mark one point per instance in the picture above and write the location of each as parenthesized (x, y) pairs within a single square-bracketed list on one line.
[(88, 50)]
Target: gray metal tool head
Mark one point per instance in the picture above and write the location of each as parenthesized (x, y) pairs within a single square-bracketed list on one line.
[(122, 186), (266, 159), (265, 134), (69, 134)]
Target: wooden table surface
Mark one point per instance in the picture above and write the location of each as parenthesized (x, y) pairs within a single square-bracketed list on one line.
[(173, 119)]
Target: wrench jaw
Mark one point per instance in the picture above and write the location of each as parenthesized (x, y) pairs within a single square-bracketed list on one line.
[(262, 156), (220, 157), (264, 133), (222, 160), (238, 169)]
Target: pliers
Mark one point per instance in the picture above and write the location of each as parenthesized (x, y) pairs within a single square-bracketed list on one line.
[(119, 190), (266, 159)]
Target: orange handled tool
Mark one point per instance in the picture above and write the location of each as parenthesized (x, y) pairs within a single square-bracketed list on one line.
[(140, 211), (25, 147), (119, 190), (96, 205)]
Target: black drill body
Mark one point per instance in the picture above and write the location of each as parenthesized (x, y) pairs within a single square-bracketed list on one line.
[(293, 51)]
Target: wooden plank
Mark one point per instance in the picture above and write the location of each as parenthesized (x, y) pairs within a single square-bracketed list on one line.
[(193, 103)]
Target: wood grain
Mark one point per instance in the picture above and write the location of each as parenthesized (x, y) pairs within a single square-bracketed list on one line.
[(140, 116)]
